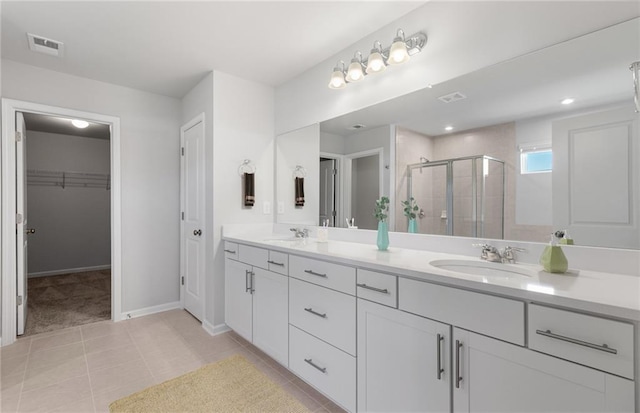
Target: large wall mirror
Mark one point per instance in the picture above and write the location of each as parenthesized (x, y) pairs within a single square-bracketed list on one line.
[(546, 141)]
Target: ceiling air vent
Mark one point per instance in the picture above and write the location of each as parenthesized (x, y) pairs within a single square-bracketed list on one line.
[(452, 97), (43, 45)]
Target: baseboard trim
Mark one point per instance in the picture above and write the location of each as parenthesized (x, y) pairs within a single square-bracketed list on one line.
[(215, 330), (68, 271), (150, 310)]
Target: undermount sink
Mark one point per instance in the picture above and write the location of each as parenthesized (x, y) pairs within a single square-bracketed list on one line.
[(484, 268), (288, 241)]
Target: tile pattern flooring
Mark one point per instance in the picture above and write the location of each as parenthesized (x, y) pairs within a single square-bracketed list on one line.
[(83, 369)]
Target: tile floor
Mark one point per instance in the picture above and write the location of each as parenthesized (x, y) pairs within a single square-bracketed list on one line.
[(83, 369)]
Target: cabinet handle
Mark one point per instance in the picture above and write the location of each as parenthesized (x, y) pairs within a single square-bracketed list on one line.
[(458, 376), (439, 340), (310, 361), (315, 273), (603, 347), (252, 279), (230, 251), (378, 290), (281, 264), (246, 281), (310, 310)]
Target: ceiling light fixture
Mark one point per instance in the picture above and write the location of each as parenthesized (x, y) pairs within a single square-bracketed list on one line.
[(399, 52), (79, 123), (567, 101), (448, 128)]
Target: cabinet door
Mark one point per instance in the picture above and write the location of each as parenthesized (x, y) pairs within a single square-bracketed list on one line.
[(237, 292), (271, 314), (494, 376), (403, 361)]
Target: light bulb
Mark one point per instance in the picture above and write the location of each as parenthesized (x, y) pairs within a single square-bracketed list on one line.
[(354, 72), (337, 79), (398, 52), (567, 101), (375, 64), (80, 123)]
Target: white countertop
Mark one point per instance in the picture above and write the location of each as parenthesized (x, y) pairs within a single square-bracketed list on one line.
[(613, 295)]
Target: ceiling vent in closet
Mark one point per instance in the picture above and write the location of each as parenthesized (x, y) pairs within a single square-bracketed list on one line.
[(452, 97), (43, 45)]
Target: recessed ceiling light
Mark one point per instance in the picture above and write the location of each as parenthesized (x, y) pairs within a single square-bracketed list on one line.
[(567, 101), (448, 128), (80, 123), (356, 126)]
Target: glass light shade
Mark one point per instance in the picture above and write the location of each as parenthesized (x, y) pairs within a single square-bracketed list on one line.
[(81, 124), (337, 80), (354, 72), (375, 64), (398, 52)]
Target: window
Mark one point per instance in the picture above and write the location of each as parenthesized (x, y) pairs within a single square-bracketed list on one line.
[(535, 158)]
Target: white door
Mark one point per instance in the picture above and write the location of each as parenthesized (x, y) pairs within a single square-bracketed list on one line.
[(403, 361), (238, 298), (193, 245), (21, 221), (495, 376), (328, 191), (596, 178), (271, 314)]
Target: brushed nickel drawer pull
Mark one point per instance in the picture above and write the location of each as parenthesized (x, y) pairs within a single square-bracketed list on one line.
[(310, 361), (276, 263), (603, 347), (310, 310), (458, 376), (439, 340), (247, 287), (378, 290), (315, 273), (230, 251)]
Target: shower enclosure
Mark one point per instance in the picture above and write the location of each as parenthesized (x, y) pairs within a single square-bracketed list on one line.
[(461, 196)]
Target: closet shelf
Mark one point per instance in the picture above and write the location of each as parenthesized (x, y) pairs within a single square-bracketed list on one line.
[(69, 179)]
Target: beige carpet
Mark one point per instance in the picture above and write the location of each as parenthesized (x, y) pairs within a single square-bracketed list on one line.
[(67, 300), (230, 385)]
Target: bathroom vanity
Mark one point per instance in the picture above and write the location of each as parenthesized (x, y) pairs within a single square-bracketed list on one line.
[(402, 330)]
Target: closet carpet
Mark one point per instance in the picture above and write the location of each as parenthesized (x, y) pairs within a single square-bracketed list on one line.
[(67, 300)]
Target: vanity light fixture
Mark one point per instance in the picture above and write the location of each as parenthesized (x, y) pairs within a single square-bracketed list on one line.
[(81, 124), (567, 101), (635, 70), (399, 52)]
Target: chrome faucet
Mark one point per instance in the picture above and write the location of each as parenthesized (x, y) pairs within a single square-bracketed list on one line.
[(509, 254), (300, 232), (492, 254)]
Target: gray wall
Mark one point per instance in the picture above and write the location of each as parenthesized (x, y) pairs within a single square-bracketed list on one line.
[(73, 226)]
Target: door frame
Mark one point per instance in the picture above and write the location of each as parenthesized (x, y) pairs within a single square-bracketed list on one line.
[(339, 190), (193, 122), (8, 212), (348, 166)]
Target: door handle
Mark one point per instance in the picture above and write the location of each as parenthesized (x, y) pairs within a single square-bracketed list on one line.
[(197, 232), (30, 231)]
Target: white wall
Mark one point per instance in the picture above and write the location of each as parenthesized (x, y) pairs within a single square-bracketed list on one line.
[(300, 147), (463, 37), (373, 139), (331, 143), (150, 165), (243, 128), (73, 226)]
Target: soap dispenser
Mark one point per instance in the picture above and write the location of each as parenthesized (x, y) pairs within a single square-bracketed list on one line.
[(566, 238), (553, 259)]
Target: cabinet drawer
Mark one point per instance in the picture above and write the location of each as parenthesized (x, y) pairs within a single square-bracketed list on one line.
[(327, 314), (378, 287), (326, 368), (497, 317), (231, 250), (257, 257), (334, 276), (278, 262), (593, 341)]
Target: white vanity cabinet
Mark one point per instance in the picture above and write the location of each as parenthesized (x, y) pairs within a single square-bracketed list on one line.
[(490, 375), (256, 300), (403, 361)]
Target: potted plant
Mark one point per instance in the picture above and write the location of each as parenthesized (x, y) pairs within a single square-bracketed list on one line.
[(410, 209), (380, 212)]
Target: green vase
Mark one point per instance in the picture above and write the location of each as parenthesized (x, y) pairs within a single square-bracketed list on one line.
[(383, 236), (554, 260), (413, 226)]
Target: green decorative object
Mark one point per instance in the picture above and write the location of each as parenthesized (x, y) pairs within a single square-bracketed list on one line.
[(553, 259), (410, 210), (380, 212), (383, 236), (413, 226)]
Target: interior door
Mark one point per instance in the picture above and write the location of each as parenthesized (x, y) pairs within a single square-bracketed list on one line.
[(21, 222), (596, 169), (328, 191), (192, 238)]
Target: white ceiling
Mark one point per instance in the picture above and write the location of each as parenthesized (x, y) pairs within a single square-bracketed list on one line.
[(167, 47), (593, 69)]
